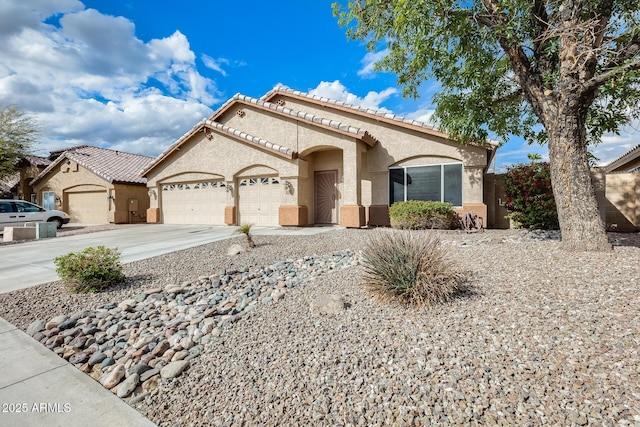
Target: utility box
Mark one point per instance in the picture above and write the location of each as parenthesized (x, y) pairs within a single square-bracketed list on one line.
[(44, 230)]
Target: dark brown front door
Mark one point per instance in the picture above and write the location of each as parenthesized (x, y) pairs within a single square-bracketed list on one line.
[(326, 197)]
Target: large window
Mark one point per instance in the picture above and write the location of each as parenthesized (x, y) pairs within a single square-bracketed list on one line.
[(441, 183)]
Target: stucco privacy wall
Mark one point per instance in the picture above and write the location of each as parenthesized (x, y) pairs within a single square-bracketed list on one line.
[(621, 202), (402, 148)]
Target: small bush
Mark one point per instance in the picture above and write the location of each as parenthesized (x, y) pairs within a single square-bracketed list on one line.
[(410, 268), (92, 270), (421, 215), (529, 196)]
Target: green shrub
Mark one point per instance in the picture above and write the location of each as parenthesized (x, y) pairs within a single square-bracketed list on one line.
[(529, 196), (421, 215), (410, 267), (92, 270)]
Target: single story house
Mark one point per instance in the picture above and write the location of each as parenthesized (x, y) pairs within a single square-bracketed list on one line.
[(18, 185), (294, 159), (95, 185)]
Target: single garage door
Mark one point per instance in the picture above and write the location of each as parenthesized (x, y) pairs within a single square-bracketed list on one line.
[(89, 207), (259, 200), (194, 203)]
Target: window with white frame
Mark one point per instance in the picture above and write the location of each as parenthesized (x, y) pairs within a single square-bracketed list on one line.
[(441, 183)]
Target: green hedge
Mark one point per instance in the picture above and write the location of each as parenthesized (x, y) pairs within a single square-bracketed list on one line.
[(420, 215)]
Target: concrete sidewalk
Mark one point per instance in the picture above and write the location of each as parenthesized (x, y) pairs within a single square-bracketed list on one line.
[(38, 388)]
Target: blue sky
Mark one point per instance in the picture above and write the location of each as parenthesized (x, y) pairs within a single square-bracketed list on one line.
[(135, 75)]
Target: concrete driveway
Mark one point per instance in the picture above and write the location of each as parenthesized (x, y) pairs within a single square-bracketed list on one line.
[(31, 263)]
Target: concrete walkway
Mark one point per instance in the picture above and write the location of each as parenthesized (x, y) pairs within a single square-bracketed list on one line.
[(39, 388)]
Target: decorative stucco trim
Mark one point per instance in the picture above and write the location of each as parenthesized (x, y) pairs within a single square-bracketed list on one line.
[(244, 137)]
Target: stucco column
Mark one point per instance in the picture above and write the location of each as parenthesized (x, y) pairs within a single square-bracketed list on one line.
[(352, 213), (153, 212), (230, 209), (291, 212)]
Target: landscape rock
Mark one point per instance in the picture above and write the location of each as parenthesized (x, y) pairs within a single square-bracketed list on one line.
[(327, 304), (174, 369)]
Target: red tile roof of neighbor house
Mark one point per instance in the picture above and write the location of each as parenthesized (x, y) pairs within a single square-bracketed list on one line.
[(111, 165), (8, 183)]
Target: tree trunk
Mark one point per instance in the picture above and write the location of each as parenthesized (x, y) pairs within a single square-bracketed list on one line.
[(580, 223)]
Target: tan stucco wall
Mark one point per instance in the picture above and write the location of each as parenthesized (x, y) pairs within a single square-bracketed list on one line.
[(622, 201), (131, 204)]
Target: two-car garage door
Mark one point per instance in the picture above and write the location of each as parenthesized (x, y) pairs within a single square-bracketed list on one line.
[(204, 202)]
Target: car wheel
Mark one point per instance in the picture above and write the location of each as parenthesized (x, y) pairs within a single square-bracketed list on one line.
[(58, 222)]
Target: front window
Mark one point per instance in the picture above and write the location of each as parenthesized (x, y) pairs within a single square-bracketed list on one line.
[(441, 183), (48, 200)]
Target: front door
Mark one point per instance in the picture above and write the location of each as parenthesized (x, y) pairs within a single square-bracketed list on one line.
[(326, 197)]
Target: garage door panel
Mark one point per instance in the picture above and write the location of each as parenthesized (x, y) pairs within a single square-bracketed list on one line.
[(194, 203), (259, 200)]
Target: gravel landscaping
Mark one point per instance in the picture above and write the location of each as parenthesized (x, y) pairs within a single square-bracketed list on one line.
[(543, 336)]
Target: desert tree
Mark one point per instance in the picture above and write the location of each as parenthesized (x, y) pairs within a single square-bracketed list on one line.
[(561, 72), (18, 132)]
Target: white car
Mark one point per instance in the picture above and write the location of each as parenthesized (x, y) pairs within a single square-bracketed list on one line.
[(17, 212)]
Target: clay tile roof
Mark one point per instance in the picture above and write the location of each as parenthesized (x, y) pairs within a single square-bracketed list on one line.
[(355, 131), (619, 163), (369, 111), (37, 160), (110, 165), (8, 183)]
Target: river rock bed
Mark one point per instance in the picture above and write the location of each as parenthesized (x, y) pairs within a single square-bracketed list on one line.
[(128, 346), (544, 337)]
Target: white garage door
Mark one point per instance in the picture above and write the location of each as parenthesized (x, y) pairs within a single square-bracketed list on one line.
[(194, 203), (88, 207), (259, 200)]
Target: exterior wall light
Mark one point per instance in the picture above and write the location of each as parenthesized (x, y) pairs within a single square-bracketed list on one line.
[(288, 187), (229, 188), (152, 193)]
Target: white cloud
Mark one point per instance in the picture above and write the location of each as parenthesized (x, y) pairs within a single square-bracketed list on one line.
[(422, 115), (215, 64), (368, 62), (90, 80), (336, 90)]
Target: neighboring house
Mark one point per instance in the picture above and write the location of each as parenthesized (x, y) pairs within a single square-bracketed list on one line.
[(18, 185), (293, 159), (95, 185), (620, 200)]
